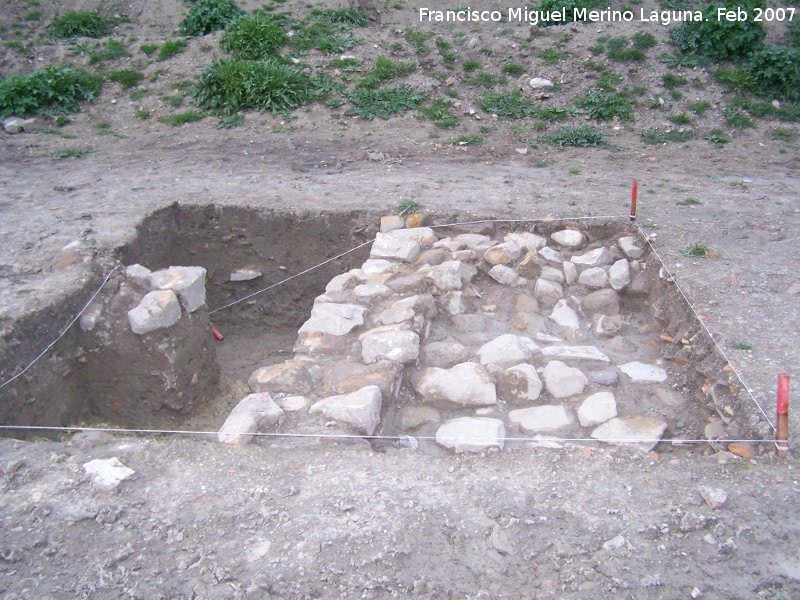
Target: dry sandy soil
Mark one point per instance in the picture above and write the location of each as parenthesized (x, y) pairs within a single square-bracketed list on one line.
[(322, 519)]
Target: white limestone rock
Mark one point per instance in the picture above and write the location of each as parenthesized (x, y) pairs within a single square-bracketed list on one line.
[(547, 293), (597, 409), (157, 310), (563, 315), (189, 283), (541, 419), (293, 403), (390, 245), (475, 241), (502, 254), (360, 409), (465, 385), (471, 434), (594, 277), (529, 242), (422, 235), (552, 256), (539, 83), (392, 223), (137, 271), (642, 432), (574, 353), (507, 350), (289, 377), (443, 354), (345, 281), (553, 274), (450, 275), (334, 319), (253, 413), (568, 238), (563, 381), (619, 275), (628, 246), (454, 303), (396, 346), (640, 372), (107, 473), (377, 266), (506, 276), (368, 292), (245, 274), (598, 257), (519, 384), (570, 272)]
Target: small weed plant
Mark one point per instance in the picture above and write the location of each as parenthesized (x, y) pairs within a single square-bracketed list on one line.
[(605, 107), (49, 91), (697, 250), (78, 23), (110, 50), (208, 16), (127, 78), (439, 113), (254, 38), (171, 48), (407, 207), (689, 202), (582, 136), (69, 153), (385, 70), (512, 106), (466, 140), (178, 119), (230, 85), (383, 102)]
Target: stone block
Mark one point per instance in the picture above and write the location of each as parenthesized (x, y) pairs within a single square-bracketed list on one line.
[(563, 381), (548, 418), (396, 346), (189, 283), (334, 319), (506, 276), (594, 277), (597, 408), (568, 238), (507, 350), (619, 275), (519, 384), (547, 293), (464, 385), (443, 354), (360, 409), (471, 434), (253, 413), (389, 245), (289, 377), (347, 377), (157, 310), (641, 432)]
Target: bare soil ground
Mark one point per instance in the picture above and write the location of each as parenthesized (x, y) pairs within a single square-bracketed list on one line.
[(320, 519)]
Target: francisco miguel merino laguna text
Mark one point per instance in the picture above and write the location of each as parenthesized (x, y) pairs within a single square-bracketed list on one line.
[(535, 17)]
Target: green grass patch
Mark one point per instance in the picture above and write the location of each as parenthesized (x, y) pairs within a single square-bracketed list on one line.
[(327, 37), (407, 207), (254, 38), (484, 79), (78, 23), (466, 140), (568, 5), (609, 81), (512, 106), (384, 70), (680, 119), (717, 137), (556, 113), (513, 69), (417, 39), (230, 85), (551, 56), (171, 48), (127, 78), (383, 102), (149, 49), (736, 118), (142, 113), (231, 121), (689, 202), (644, 41), (604, 107), (719, 40), (207, 16), (178, 119), (110, 50), (439, 112), (581, 136), (69, 153), (48, 91), (737, 345), (783, 135), (470, 65), (699, 108), (671, 81), (697, 250)]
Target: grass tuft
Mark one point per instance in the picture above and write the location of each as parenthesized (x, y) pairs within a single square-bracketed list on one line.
[(581, 136), (383, 102), (49, 91), (78, 23), (178, 119)]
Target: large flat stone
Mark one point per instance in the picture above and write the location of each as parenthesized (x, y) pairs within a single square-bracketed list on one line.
[(541, 419), (507, 350), (189, 283), (593, 258), (444, 354), (574, 353), (563, 381), (640, 372), (506, 276), (529, 242), (289, 377), (391, 245), (464, 385), (519, 384), (396, 346), (471, 434), (562, 314), (347, 377), (253, 413), (619, 274), (547, 292), (361, 409), (334, 319), (502, 254), (642, 432), (157, 310), (568, 238), (597, 408)]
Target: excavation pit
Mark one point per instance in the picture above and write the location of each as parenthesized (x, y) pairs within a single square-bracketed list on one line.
[(505, 332)]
